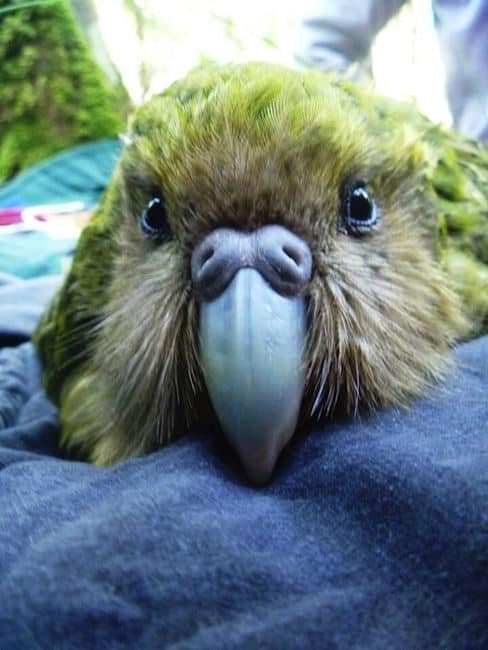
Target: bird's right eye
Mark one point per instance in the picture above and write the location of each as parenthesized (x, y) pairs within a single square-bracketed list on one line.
[(154, 220)]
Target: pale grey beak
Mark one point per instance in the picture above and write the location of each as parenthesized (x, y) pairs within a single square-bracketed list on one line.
[(252, 339)]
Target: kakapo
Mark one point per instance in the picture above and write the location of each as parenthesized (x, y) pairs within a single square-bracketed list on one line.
[(274, 246)]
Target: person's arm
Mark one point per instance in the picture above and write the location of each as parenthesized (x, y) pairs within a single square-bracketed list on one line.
[(335, 35), (463, 37)]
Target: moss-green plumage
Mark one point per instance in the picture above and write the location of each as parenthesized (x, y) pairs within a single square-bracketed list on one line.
[(243, 146), (460, 181)]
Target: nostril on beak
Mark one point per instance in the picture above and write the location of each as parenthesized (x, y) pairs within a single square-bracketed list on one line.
[(283, 259), (207, 254), (215, 261), (293, 254)]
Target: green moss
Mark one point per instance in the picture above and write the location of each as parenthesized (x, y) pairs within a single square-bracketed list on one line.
[(52, 93)]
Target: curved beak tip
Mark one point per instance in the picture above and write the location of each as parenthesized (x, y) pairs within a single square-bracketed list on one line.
[(259, 464), (259, 476), (252, 348)]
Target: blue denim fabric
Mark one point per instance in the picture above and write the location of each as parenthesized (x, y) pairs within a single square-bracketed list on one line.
[(373, 534)]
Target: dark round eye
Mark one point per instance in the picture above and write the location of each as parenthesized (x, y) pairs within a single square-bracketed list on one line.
[(154, 220), (359, 210)]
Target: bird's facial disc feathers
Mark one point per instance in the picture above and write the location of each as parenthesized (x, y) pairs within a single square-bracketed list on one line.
[(286, 192)]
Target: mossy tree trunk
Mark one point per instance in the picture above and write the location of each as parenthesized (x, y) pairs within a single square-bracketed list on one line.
[(52, 93)]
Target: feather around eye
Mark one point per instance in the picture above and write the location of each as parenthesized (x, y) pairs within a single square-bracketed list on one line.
[(154, 220), (359, 212)]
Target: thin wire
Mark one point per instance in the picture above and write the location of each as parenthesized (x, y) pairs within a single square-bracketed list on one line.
[(22, 5)]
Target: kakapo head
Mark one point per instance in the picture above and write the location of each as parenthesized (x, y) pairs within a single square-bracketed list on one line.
[(266, 253)]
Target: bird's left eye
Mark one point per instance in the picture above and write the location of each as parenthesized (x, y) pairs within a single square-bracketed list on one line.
[(154, 220), (359, 210)]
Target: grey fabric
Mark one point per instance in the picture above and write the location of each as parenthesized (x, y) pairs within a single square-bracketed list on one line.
[(373, 534), (20, 309)]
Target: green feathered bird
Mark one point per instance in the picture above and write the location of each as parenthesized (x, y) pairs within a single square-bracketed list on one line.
[(275, 246)]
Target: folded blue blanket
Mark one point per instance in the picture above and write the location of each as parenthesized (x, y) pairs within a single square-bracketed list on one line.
[(373, 534), (77, 174)]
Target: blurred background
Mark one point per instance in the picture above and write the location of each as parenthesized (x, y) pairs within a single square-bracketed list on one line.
[(152, 43)]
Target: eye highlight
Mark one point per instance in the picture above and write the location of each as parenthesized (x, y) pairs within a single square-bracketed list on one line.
[(359, 212), (154, 220)]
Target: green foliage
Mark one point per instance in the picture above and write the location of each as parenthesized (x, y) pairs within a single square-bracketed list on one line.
[(52, 94)]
